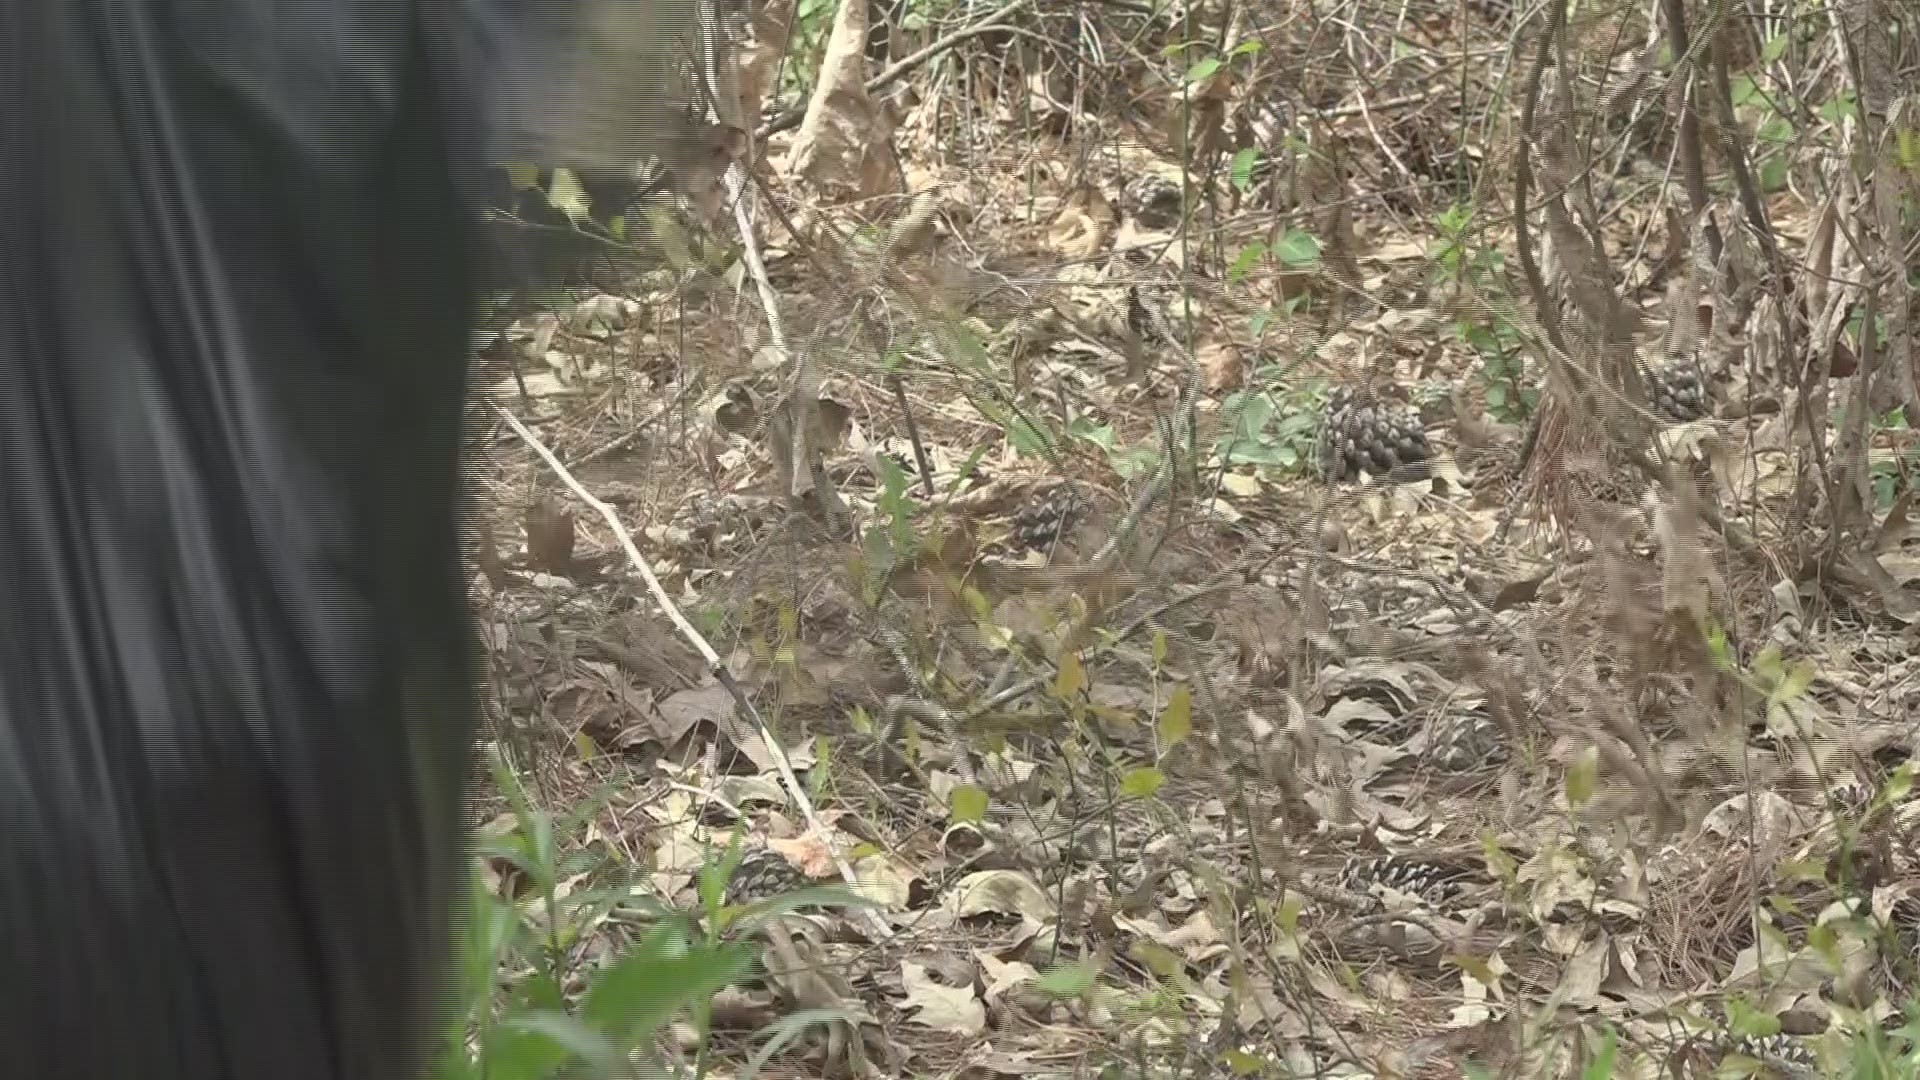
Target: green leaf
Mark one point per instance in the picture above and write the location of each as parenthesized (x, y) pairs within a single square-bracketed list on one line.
[(1907, 149), (1719, 648), (567, 196), (749, 918), (1176, 720), (1899, 783), (1774, 49), (1247, 47), (1203, 70), (533, 1045), (662, 975), (491, 924), (1243, 1063), (784, 1030), (1743, 1019), (1101, 435), (1582, 776), (1601, 1067), (1136, 463), (1155, 957), (522, 176), (1069, 981), (1773, 174), (967, 467), (1298, 250), (1242, 171), (1290, 909), (1141, 783), (1071, 680), (1255, 413), (1838, 108), (967, 804), (1247, 258), (1795, 682), (1824, 941), (1025, 437)]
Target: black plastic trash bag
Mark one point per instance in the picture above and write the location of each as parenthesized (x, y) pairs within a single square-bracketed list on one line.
[(240, 266)]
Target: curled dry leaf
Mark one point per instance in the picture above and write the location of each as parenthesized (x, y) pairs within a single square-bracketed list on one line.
[(883, 881), (1000, 892), (1196, 940), (841, 142), (1221, 363), (1002, 975), (943, 1008), (808, 854)]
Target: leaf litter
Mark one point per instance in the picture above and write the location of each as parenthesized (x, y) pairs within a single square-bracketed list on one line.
[(1541, 752)]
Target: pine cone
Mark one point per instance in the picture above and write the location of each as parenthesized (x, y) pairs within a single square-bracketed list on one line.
[(1360, 435), (1779, 1054), (764, 873), (1677, 391), (1154, 201), (1039, 525), (1431, 880), (1464, 742)]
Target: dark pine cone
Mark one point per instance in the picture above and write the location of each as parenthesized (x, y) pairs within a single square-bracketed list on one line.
[(1677, 391), (1154, 201), (762, 875), (1778, 1055), (1464, 742), (1041, 524), (1360, 435), (1432, 881)]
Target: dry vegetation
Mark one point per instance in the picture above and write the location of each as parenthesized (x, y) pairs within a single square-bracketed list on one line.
[(986, 474)]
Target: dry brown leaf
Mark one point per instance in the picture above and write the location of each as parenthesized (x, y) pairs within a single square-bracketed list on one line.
[(809, 854), (1002, 975), (1000, 892), (1221, 363), (943, 1008), (841, 145), (549, 527), (883, 881)]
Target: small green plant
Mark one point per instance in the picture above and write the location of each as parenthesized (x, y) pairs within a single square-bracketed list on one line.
[(1269, 426), (1878, 1054), (524, 1027), (1129, 462), (1460, 261), (1891, 470), (1503, 370)]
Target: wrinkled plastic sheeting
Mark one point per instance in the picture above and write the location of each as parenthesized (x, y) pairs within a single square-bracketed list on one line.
[(235, 664)]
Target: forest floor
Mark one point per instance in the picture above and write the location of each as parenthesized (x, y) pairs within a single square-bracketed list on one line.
[(1150, 749)]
